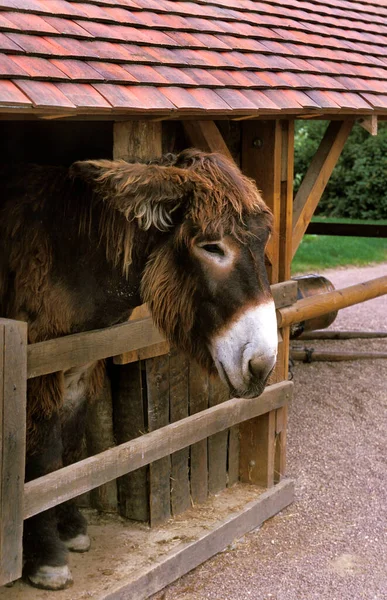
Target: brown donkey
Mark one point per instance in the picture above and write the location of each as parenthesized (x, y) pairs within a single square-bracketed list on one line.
[(81, 247)]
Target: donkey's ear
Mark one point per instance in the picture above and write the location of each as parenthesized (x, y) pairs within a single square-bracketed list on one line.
[(149, 193)]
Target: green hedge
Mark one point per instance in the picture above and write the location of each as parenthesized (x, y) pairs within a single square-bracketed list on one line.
[(358, 185)]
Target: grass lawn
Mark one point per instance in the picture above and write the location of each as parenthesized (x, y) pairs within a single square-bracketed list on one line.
[(318, 252)]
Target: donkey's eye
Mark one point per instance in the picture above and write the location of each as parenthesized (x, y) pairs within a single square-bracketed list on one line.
[(213, 249)]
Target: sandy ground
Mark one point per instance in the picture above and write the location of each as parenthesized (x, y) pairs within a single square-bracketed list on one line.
[(330, 544)]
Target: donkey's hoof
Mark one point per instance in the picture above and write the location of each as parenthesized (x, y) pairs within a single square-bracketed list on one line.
[(80, 543), (51, 578)]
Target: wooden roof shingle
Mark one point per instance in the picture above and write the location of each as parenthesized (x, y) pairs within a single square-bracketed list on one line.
[(194, 57)]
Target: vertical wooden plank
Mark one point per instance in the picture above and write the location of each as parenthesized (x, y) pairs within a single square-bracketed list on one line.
[(157, 379), (217, 444), (140, 140), (129, 423), (100, 437), (178, 397), (233, 456), (284, 271), (261, 160), (198, 400), (13, 394)]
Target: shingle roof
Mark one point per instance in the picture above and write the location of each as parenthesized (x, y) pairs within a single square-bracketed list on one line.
[(184, 57)]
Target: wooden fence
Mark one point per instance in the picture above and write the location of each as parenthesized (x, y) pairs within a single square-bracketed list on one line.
[(19, 362)]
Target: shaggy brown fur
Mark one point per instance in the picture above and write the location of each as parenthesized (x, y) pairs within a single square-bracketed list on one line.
[(81, 247)]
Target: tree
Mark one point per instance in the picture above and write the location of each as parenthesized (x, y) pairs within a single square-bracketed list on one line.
[(358, 185)]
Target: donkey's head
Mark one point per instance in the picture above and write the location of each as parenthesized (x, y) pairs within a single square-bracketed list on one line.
[(204, 279)]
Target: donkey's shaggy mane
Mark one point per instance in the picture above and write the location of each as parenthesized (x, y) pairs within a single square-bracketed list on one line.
[(209, 189)]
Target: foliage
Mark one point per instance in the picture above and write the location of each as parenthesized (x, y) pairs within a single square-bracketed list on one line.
[(358, 185)]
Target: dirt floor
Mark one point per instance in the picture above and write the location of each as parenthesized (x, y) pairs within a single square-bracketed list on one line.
[(330, 544)]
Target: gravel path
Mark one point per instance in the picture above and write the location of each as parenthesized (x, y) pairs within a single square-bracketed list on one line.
[(330, 544)]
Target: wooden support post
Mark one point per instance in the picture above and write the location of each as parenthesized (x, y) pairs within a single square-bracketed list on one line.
[(178, 398), (284, 264), (13, 393), (99, 437), (140, 140), (267, 157), (157, 379), (198, 401), (206, 136), (217, 444), (317, 176)]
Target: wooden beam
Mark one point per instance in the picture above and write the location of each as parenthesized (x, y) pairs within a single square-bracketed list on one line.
[(73, 480), (80, 348), (261, 160), (206, 136), (321, 304), (13, 394), (284, 265), (74, 350), (137, 140), (317, 176), (370, 124), (188, 555), (268, 157), (348, 229), (140, 140)]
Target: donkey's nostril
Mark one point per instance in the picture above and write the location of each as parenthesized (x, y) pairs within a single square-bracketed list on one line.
[(260, 367)]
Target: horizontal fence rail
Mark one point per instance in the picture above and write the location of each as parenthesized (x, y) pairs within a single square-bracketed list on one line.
[(321, 304), (78, 349), (73, 480)]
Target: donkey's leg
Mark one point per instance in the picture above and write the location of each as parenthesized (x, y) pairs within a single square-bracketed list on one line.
[(44, 552), (72, 525)]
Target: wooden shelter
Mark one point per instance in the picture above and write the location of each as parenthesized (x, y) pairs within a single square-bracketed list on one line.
[(135, 78)]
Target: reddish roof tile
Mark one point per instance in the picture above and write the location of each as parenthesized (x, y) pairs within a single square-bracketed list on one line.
[(78, 70), (39, 68), (215, 55), (10, 95), (44, 94), (83, 95)]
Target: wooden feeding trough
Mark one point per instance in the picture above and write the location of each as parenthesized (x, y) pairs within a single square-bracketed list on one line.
[(75, 85)]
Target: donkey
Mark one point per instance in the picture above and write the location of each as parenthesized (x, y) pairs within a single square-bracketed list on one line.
[(82, 246)]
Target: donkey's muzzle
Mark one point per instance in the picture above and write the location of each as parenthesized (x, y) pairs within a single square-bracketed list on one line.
[(245, 352)]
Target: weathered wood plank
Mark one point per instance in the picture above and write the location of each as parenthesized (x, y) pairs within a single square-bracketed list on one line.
[(284, 265), (137, 140), (262, 159), (129, 423), (206, 136), (157, 378), (100, 437), (284, 293), (317, 177), (72, 350), (178, 396), (189, 555), (198, 401), (217, 444), (76, 479), (233, 456), (142, 353), (13, 394)]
